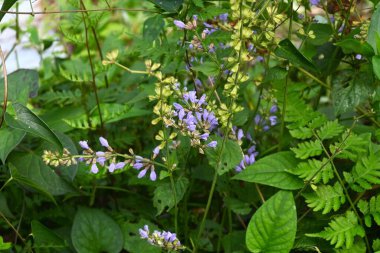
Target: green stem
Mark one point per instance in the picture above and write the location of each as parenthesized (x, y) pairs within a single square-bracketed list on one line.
[(175, 203)]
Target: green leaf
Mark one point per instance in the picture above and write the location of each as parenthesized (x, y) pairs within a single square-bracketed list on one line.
[(351, 89), (273, 170), (22, 85), (351, 146), (312, 170), (4, 209), (376, 246), (272, 228), (4, 245), (208, 68), (350, 46), (168, 5), (30, 170), (7, 4), (305, 150), (288, 51), (132, 240), (46, 238), (94, 232), (29, 122), (374, 28), (164, 196), (301, 133), (226, 159), (376, 65), (326, 197), (322, 32), (329, 130), (342, 231), (358, 247), (9, 139), (153, 27), (370, 209)]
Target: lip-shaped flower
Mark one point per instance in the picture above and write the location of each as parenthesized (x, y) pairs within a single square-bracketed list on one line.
[(103, 142), (84, 145), (179, 24), (94, 168)]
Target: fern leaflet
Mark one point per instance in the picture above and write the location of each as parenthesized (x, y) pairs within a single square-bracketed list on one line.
[(351, 146), (312, 170), (305, 150), (329, 130), (342, 231), (326, 197), (370, 209)]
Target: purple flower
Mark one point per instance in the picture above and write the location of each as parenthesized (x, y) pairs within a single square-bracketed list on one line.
[(119, 165), (138, 165), (84, 145), (103, 142), (112, 167), (223, 17), (177, 106), (240, 134), (142, 173), (314, 2), (358, 56), (257, 119), (212, 144), (156, 150), (179, 24), (204, 136), (208, 25), (247, 160), (273, 120), (153, 175), (101, 160), (94, 168), (273, 109), (144, 233), (198, 83)]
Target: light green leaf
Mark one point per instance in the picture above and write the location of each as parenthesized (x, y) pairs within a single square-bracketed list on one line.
[(4, 245), (9, 139), (164, 196), (329, 130), (224, 159), (46, 238), (168, 5), (208, 68), (273, 227), (95, 232), (308, 149), (273, 170), (376, 65), (29, 122), (374, 28)]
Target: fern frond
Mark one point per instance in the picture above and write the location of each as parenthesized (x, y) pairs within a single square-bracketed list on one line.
[(342, 231), (329, 130), (358, 247), (309, 170), (301, 133), (61, 97), (351, 146), (365, 173), (75, 74), (326, 198), (305, 150), (370, 209)]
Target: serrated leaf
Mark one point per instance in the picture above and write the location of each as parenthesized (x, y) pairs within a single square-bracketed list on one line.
[(358, 247), (273, 170), (308, 149), (326, 198), (164, 196), (272, 228), (224, 159), (351, 146), (315, 170), (9, 139), (46, 238), (370, 209), (302, 133), (27, 121), (342, 231), (94, 231), (287, 50), (329, 130)]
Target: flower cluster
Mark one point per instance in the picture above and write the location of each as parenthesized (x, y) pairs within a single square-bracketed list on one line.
[(165, 240), (194, 120), (267, 122), (248, 159)]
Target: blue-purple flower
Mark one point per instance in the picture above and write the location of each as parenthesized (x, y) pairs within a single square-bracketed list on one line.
[(314, 2), (165, 239)]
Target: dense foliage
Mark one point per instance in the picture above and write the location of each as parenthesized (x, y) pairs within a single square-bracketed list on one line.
[(194, 125)]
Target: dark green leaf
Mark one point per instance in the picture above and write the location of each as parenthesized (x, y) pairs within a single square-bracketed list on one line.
[(9, 139), (350, 46), (327, 58), (29, 122), (153, 27), (224, 158), (164, 196), (350, 89), (4, 209), (374, 28), (288, 51), (376, 65), (22, 85), (31, 168), (45, 238), (322, 33), (273, 170), (7, 4), (273, 227), (168, 5), (95, 232), (275, 74)]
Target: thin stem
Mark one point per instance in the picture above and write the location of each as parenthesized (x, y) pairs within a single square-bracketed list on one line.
[(5, 87), (130, 70), (175, 202), (92, 67), (314, 78), (13, 228), (6, 183), (260, 193), (76, 11)]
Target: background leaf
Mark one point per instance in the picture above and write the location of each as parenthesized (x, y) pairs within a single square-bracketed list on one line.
[(374, 28), (9, 139), (29, 122), (46, 238), (272, 228), (7, 4), (273, 170), (94, 232), (168, 5)]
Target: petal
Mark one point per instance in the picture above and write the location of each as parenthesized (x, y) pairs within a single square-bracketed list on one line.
[(142, 173)]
